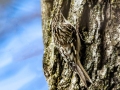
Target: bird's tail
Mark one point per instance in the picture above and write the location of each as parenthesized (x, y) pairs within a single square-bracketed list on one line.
[(83, 74)]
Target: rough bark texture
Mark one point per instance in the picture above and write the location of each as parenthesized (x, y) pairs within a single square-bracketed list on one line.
[(99, 27)]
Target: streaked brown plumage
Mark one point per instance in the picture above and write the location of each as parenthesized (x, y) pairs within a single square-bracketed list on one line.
[(67, 41)]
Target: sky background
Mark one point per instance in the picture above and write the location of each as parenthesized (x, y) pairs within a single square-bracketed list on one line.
[(21, 46)]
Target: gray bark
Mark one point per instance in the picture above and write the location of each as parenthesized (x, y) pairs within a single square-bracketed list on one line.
[(98, 22)]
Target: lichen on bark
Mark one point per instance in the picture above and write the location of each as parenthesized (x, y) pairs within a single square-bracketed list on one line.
[(98, 22)]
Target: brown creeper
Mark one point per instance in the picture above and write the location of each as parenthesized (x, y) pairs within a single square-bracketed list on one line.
[(67, 40)]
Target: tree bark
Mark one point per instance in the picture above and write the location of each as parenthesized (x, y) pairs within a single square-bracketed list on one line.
[(98, 22)]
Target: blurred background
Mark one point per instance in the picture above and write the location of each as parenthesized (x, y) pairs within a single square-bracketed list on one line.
[(21, 46)]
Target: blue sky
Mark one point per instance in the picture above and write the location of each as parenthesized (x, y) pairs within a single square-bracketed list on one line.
[(21, 46)]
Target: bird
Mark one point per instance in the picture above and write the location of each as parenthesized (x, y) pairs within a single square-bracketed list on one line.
[(67, 41)]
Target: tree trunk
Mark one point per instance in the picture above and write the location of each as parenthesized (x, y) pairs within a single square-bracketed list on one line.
[(98, 22)]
